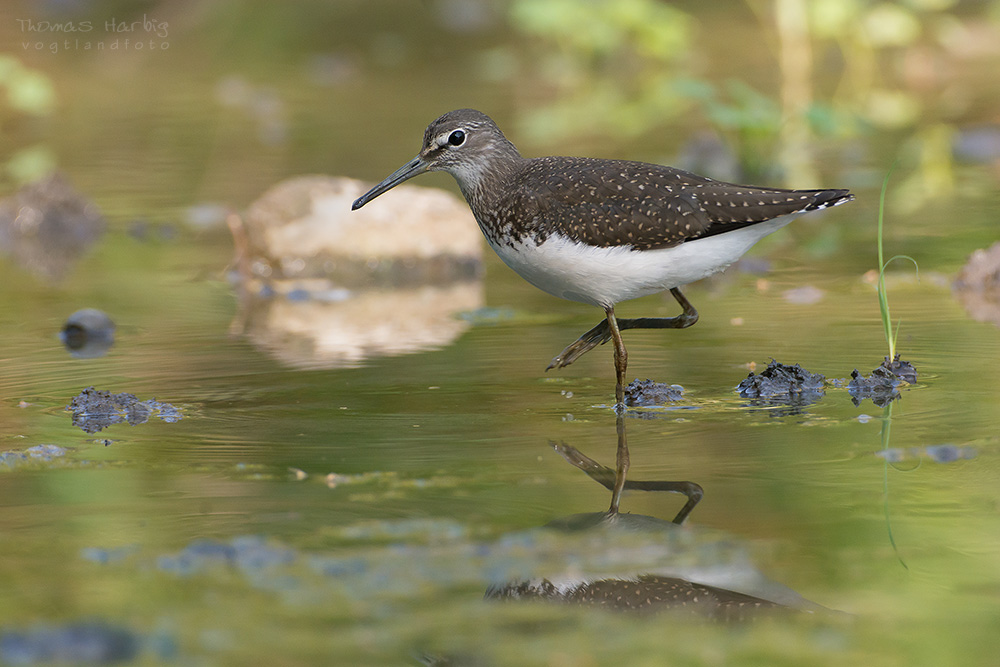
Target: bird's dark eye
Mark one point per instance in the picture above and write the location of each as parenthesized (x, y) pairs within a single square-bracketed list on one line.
[(457, 138)]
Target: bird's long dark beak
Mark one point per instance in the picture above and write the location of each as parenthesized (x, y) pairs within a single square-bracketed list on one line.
[(414, 167)]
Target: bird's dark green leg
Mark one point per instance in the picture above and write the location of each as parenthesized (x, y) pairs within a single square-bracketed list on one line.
[(602, 333), (621, 359)]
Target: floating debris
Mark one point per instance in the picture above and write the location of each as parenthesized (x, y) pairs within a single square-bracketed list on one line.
[(647, 393), (88, 333), (96, 409), (783, 384)]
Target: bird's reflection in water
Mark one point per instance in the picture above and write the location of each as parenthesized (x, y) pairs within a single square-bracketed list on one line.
[(616, 480), (668, 581)]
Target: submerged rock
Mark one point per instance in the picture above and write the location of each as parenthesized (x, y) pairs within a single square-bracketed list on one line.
[(96, 409), (46, 225), (783, 384), (88, 333)]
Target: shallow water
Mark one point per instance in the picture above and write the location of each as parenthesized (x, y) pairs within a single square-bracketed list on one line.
[(309, 512), (445, 469)]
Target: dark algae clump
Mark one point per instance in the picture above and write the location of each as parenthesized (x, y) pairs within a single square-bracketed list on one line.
[(96, 409), (781, 382), (883, 383)]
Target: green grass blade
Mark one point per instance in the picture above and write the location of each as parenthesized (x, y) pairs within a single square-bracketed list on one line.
[(883, 298), (883, 301)]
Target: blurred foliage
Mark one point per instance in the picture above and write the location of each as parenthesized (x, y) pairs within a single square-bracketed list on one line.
[(616, 64), (639, 65), (748, 118), (29, 93)]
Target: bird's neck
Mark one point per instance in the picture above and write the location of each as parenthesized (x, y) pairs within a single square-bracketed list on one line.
[(483, 180)]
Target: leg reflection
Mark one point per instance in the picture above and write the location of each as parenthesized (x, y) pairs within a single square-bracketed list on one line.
[(615, 480)]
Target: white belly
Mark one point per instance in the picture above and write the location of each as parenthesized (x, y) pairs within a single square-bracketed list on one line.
[(606, 276)]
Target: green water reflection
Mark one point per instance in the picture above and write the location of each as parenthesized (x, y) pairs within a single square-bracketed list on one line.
[(223, 538)]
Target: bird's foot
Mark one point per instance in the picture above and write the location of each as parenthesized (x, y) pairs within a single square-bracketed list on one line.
[(585, 343)]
